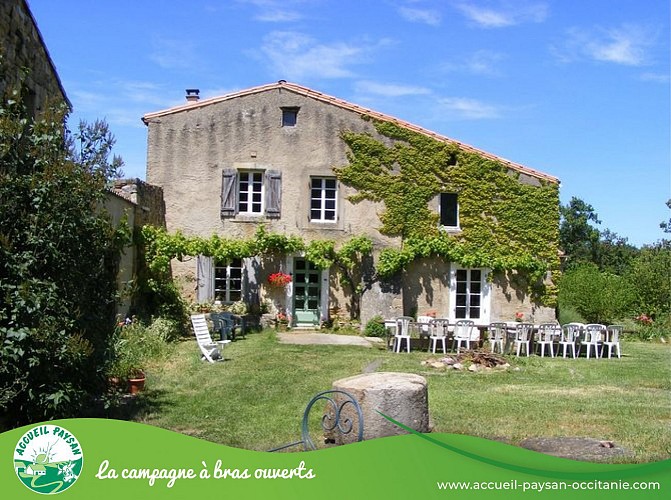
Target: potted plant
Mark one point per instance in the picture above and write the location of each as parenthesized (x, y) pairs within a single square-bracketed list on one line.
[(281, 322), (127, 367), (279, 279)]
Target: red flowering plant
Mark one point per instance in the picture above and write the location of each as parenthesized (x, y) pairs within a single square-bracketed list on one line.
[(519, 316), (279, 279), (644, 319)]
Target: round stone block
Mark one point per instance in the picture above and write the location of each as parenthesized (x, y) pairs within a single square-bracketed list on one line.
[(401, 396)]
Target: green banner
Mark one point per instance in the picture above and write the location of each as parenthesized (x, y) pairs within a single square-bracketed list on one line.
[(100, 459)]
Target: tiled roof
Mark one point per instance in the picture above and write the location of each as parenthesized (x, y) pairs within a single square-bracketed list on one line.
[(352, 107)]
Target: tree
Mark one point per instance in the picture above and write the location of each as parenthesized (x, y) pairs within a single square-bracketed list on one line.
[(577, 237), (59, 255), (599, 297)]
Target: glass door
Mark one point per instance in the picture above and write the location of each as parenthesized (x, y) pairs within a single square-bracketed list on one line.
[(307, 292)]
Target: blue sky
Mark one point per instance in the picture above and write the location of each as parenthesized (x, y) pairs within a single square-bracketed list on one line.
[(575, 88)]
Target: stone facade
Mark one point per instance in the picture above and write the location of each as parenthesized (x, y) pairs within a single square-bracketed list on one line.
[(138, 204), (23, 51), (196, 149)]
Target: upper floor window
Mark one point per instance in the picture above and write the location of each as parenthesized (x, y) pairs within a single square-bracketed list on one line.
[(289, 117), (250, 192), (323, 199), (228, 281), (449, 210)]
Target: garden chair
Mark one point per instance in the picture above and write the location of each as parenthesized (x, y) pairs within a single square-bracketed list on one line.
[(402, 333), (463, 332), (438, 333), (497, 335), (547, 333), (210, 350), (523, 337), (613, 333), (423, 326), (592, 338), (342, 416), (569, 337)]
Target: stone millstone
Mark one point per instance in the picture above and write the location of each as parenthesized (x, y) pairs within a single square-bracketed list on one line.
[(401, 396)]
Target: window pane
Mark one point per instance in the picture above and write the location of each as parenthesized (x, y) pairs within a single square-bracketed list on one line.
[(461, 312), (461, 300), (475, 287), (315, 214), (330, 204), (330, 183), (329, 215), (476, 275), (461, 287), (474, 313), (316, 185), (461, 275)]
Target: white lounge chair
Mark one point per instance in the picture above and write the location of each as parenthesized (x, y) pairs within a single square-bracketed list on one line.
[(211, 350)]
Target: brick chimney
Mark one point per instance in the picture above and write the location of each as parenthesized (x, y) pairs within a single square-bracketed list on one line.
[(192, 95)]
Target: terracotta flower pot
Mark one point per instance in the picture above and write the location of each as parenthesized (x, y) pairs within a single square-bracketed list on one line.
[(136, 383)]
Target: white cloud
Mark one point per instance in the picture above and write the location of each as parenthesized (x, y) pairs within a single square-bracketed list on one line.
[(482, 63), (656, 77), (389, 89), (295, 56), (426, 16), (471, 109), (278, 16), (626, 45), (504, 14), (173, 53)]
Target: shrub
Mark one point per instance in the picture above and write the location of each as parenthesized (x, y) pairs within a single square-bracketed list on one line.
[(599, 297), (375, 327)]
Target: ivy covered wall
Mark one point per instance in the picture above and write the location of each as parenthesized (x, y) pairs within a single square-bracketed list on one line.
[(508, 220)]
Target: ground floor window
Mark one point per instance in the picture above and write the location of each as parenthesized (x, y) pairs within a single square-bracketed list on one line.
[(228, 281)]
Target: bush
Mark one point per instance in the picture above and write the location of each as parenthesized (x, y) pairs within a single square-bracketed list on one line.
[(375, 327), (135, 345), (59, 254), (167, 329), (599, 297)]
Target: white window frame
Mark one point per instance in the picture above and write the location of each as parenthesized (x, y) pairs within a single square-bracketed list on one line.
[(227, 288), (485, 293), (440, 209), (250, 192), (323, 199)]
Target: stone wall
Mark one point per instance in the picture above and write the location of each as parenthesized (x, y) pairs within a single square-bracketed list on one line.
[(22, 46), (189, 148)]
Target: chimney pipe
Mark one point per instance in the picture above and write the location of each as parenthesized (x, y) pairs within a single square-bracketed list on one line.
[(192, 95)]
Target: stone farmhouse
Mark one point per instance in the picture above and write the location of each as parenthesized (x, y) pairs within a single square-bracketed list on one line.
[(270, 155)]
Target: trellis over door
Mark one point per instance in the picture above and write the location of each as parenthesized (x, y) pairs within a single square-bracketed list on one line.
[(307, 292)]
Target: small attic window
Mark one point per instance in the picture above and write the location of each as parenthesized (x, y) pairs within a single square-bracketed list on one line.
[(289, 116)]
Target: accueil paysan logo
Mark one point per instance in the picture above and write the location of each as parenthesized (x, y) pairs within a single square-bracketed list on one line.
[(48, 459)]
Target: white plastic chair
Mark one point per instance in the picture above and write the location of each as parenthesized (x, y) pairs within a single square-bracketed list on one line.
[(593, 336), (402, 333), (547, 332), (423, 326), (463, 332), (438, 330), (210, 350), (613, 333), (496, 336), (523, 337), (569, 336)]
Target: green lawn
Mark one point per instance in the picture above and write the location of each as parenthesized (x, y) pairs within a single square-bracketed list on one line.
[(255, 399)]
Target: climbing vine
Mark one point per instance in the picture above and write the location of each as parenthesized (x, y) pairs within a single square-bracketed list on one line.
[(507, 225), (160, 247)]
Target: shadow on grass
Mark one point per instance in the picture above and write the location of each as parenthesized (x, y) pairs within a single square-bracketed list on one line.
[(134, 407)]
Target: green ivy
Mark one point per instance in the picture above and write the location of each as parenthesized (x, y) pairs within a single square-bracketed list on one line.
[(506, 225)]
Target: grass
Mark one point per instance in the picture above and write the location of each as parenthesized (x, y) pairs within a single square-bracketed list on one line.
[(255, 399)]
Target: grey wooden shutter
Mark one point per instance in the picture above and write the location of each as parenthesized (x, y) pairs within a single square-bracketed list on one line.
[(229, 193), (273, 193), (205, 279)]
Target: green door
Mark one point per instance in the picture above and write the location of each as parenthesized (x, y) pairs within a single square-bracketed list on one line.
[(307, 292)]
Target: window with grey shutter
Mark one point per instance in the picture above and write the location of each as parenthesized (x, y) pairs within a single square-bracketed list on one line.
[(229, 191), (273, 193)]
